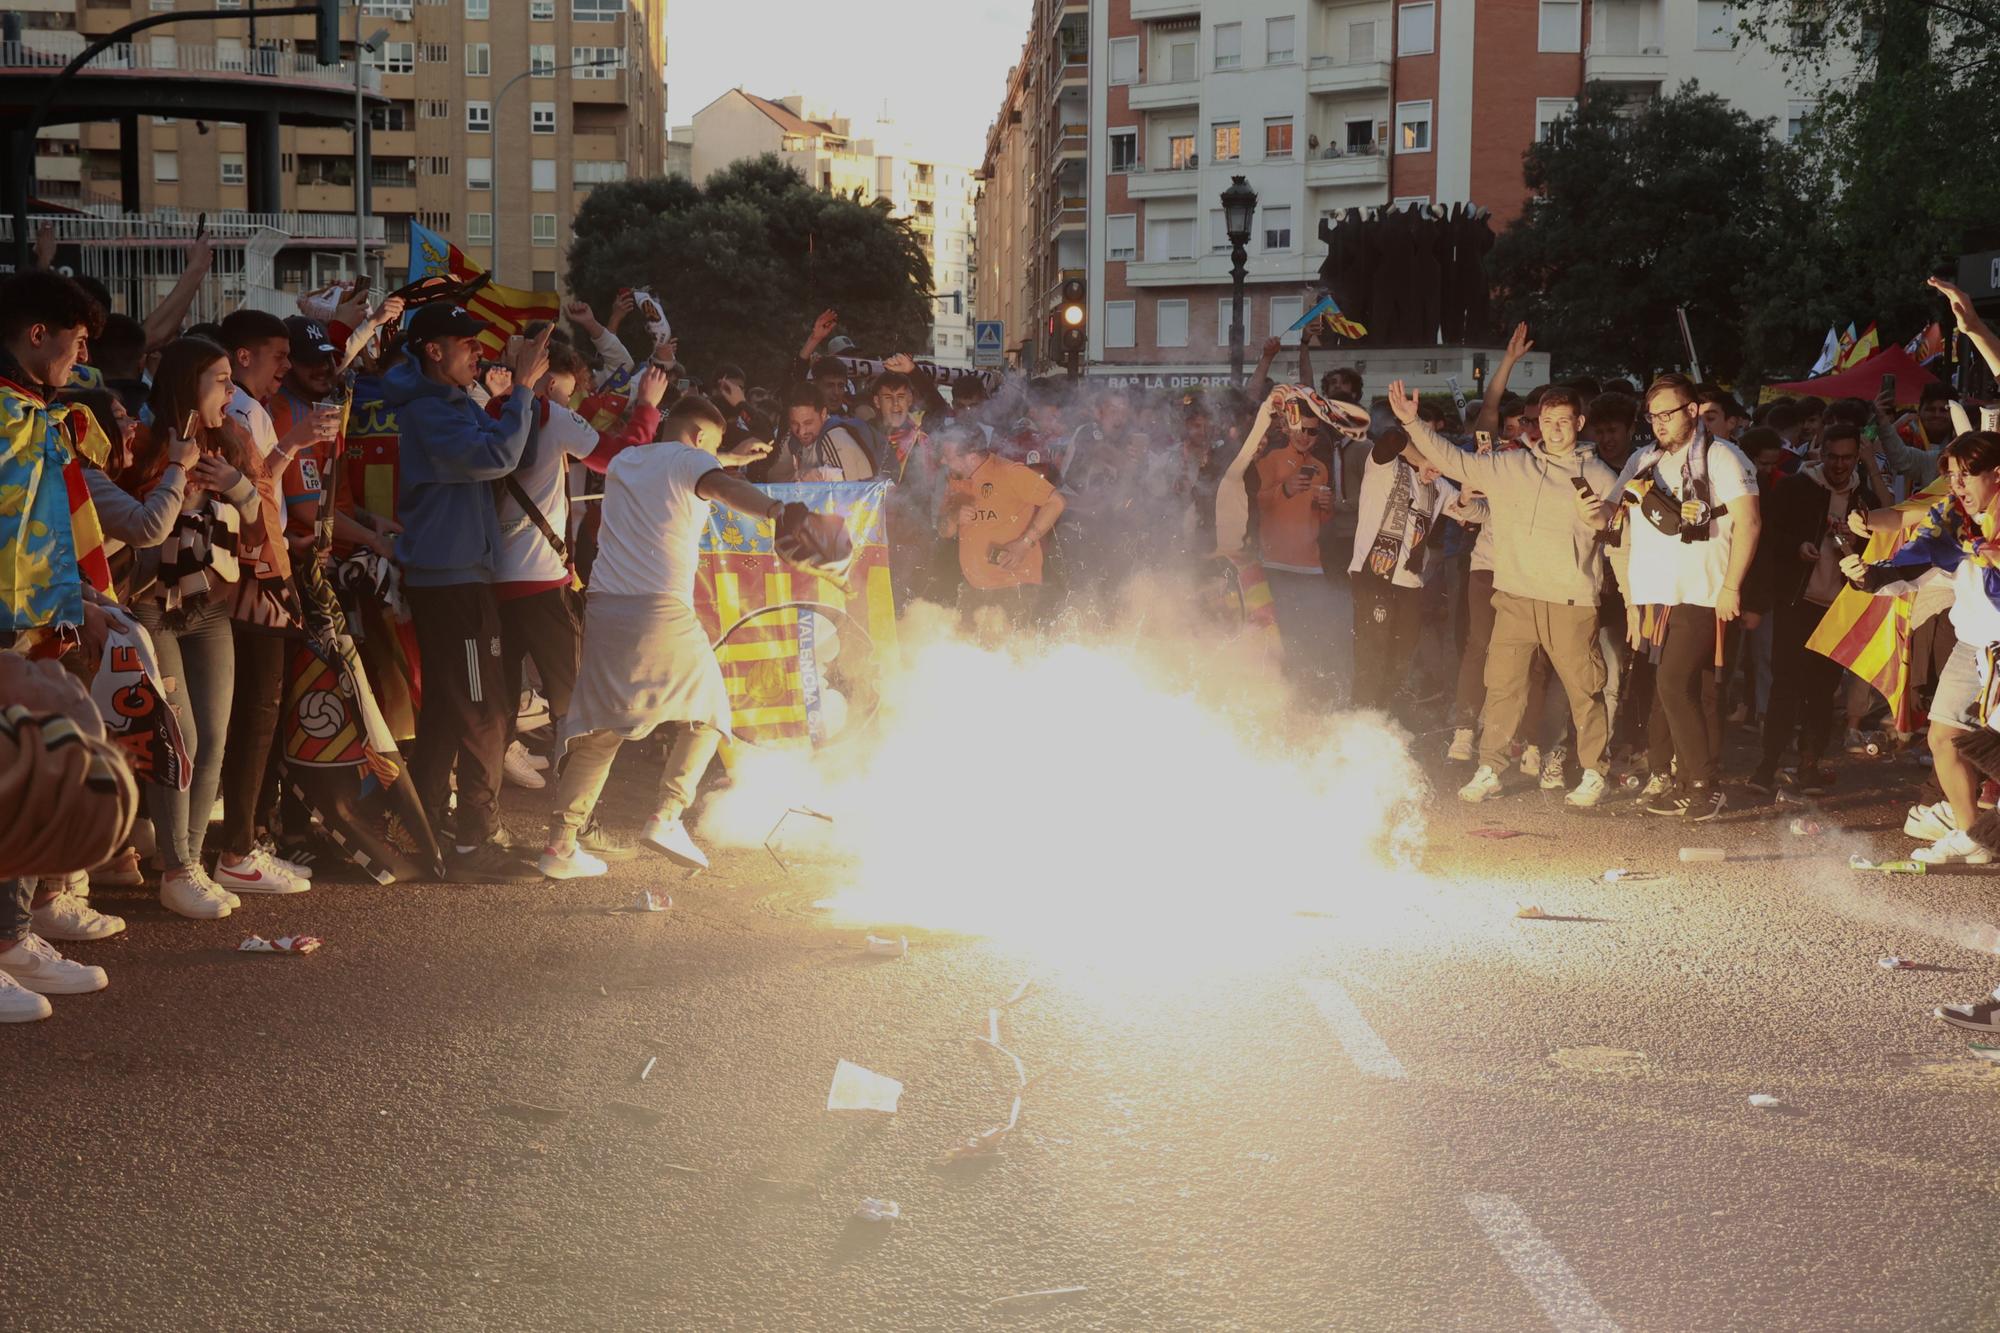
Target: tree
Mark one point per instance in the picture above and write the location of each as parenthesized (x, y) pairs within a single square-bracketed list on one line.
[(1637, 209), (744, 263)]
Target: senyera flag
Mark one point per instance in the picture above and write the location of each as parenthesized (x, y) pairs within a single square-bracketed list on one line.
[(1870, 635), (507, 309), (801, 655)]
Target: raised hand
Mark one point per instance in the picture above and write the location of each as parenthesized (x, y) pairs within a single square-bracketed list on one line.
[(1519, 344), (1404, 403)]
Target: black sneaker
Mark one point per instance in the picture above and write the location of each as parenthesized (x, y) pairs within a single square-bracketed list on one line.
[(1764, 782), (1667, 802), (605, 845), (488, 863), (1704, 802), (1981, 1017)]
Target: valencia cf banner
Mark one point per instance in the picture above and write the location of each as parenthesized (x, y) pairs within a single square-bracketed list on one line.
[(801, 655)]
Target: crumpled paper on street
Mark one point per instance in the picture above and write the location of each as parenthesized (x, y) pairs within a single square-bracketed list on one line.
[(858, 1089)]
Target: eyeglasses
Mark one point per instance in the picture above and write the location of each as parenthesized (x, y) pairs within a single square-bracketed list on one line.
[(1669, 414)]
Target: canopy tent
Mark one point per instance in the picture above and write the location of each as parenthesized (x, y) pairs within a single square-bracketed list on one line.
[(1863, 379)]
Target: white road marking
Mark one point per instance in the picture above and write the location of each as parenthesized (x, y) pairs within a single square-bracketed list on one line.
[(1363, 1047), (1545, 1273)]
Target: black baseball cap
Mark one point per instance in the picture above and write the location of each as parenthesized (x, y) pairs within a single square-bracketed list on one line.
[(309, 340), (444, 321)]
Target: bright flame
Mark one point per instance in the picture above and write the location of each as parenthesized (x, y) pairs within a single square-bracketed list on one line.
[(1137, 804)]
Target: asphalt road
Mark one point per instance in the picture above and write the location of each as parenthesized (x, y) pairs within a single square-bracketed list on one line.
[(1412, 1110)]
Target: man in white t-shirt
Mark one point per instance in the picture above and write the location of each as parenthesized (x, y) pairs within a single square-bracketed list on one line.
[(1692, 535), (646, 659), (260, 356)]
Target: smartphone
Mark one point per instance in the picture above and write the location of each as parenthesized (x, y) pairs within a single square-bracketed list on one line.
[(1582, 486), (1484, 438), (188, 424), (1889, 385), (200, 225)]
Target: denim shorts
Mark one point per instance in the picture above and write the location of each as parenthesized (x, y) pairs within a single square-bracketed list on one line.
[(1956, 701)]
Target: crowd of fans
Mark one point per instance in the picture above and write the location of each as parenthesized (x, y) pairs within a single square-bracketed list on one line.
[(1590, 583)]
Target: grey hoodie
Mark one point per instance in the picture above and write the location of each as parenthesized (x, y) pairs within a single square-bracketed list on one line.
[(1542, 548)]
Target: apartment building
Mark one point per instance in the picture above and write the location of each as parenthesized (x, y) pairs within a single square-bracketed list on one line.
[(530, 103), (1322, 106), (822, 147)]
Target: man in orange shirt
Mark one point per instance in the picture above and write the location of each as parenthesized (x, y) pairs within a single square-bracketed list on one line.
[(1294, 491), (1000, 511)]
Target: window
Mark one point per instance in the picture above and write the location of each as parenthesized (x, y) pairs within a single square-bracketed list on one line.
[(1416, 29), (596, 11), (542, 117), (1170, 324), (1225, 313), (1170, 238), (1360, 136), (1278, 41), (1121, 236), (1403, 201), (1277, 136), (387, 9), (478, 59), (434, 53), (542, 62), (1413, 127), (229, 53), (1125, 60), (541, 11), (232, 168), (1120, 319), (1714, 26), (1180, 151), (479, 228), (1228, 45), (1360, 41), (544, 228), (395, 57), (596, 173), (1124, 149), (165, 53), (1218, 232), (394, 117), (542, 174), (1285, 312), (1561, 26), (478, 9), (435, 166), (1180, 62), (1228, 141), (597, 62), (1278, 228), (166, 167), (1549, 110), (1797, 119), (478, 173), (479, 118), (433, 109)]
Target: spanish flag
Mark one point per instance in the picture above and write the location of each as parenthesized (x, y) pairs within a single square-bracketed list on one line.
[(1330, 312), (1869, 343), (507, 309), (1870, 635)]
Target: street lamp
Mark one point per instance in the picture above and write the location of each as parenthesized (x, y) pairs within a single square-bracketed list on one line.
[(373, 42), (1239, 204), (501, 97)]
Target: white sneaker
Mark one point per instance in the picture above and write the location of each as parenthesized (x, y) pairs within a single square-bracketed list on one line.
[(296, 869), (69, 916), (1531, 761), (18, 1004), (227, 895), (36, 965), (1484, 783), (1956, 845), (258, 872), (1461, 746), (1656, 785), (669, 837), (1552, 768), (190, 893), (520, 768), (1930, 822), (576, 864), (1589, 790)]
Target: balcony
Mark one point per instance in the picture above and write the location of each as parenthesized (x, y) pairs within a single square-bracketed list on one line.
[(1326, 77), (1164, 183), (611, 91), (1163, 96), (1073, 145), (50, 50), (1331, 167), (1068, 215), (326, 197), (326, 143), (1071, 75), (1625, 62), (1147, 10), (1213, 269)]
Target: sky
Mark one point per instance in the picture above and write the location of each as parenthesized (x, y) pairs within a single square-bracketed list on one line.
[(940, 68)]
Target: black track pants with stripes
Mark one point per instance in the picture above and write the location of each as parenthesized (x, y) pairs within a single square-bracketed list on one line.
[(463, 720)]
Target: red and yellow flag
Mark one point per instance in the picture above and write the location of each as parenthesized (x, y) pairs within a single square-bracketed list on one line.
[(507, 309), (1870, 635)]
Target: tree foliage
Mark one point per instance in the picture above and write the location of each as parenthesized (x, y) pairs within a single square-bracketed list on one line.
[(744, 262), (1637, 209)]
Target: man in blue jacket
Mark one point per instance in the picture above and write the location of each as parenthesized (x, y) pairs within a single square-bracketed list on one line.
[(451, 454)]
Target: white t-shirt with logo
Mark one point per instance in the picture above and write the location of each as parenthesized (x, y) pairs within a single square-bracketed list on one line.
[(1666, 571), (649, 541), (254, 418)]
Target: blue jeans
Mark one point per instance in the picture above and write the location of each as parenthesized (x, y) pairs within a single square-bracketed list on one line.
[(200, 656)]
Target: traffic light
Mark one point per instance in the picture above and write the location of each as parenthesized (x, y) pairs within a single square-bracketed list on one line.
[(326, 32), (1073, 339)]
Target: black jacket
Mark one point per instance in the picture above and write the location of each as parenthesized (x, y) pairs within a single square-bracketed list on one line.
[(1795, 513)]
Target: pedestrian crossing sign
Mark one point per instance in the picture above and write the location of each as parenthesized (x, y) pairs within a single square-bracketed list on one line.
[(989, 342)]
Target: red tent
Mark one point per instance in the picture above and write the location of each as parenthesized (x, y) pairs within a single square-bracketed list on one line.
[(1864, 379)]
